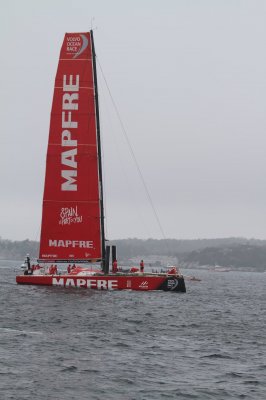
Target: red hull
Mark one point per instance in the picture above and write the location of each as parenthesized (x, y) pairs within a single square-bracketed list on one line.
[(108, 282)]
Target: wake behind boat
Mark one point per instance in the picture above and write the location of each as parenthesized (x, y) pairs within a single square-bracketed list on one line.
[(73, 228)]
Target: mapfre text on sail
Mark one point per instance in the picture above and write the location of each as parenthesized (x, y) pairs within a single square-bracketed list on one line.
[(71, 243), (69, 125)]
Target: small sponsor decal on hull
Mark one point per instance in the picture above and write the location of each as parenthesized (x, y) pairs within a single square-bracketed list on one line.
[(144, 285)]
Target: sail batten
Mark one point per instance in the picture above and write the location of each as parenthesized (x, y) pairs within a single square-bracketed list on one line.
[(71, 219)]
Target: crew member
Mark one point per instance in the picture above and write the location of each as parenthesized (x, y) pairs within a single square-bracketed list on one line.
[(141, 266), (115, 269), (28, 271)]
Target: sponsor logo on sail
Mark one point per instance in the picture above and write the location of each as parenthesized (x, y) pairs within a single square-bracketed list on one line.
[(70, 105), (88, 244), (76, 45), (69, 130), (69, 216)]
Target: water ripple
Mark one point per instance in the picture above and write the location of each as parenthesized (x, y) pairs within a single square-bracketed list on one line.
[(65, 344)]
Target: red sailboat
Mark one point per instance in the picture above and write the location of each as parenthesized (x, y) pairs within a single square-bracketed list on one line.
[(73, 211)]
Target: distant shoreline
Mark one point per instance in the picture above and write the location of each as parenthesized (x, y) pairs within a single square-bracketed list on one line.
[(238, 254)]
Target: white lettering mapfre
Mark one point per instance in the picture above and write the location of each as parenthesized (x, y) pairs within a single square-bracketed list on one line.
[(69, 146), (88, 244), (101, 284)]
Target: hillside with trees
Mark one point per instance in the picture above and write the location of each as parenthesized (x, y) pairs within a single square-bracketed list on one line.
[(237, 253), (16, 250), (238, 256)]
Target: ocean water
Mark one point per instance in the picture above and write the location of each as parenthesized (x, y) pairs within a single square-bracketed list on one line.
[(209, 343)]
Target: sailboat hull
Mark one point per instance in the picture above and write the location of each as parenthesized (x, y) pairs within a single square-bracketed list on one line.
[(108, 282)]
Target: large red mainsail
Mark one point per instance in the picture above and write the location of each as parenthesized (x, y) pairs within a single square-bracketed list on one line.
[(71, 226)]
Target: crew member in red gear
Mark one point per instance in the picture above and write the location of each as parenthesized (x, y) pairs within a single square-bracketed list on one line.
[(141, 266), (115, 269), (50, 269), (53, 270)]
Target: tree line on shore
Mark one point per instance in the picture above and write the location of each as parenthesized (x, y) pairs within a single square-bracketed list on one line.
[(228, 252)]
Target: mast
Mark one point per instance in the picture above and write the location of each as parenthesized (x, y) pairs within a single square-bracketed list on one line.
[(99, 148)]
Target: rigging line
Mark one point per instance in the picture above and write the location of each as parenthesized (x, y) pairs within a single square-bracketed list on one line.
[(124, 172), (132, 153)]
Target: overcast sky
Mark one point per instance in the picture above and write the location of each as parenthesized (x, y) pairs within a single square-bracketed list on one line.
[(189, 80)]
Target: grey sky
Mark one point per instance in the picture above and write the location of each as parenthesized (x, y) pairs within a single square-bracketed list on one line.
[(189, 79)]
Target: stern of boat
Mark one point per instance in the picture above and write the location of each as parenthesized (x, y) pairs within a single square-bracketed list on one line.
[(173, 284)]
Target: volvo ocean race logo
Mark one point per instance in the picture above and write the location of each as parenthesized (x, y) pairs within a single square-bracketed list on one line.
[(172, 283), (76, 45)]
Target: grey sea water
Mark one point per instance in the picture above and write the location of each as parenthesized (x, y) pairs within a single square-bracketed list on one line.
[(209, 343)]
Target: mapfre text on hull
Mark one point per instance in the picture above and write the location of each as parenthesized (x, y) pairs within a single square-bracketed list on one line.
[(108, 282)]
